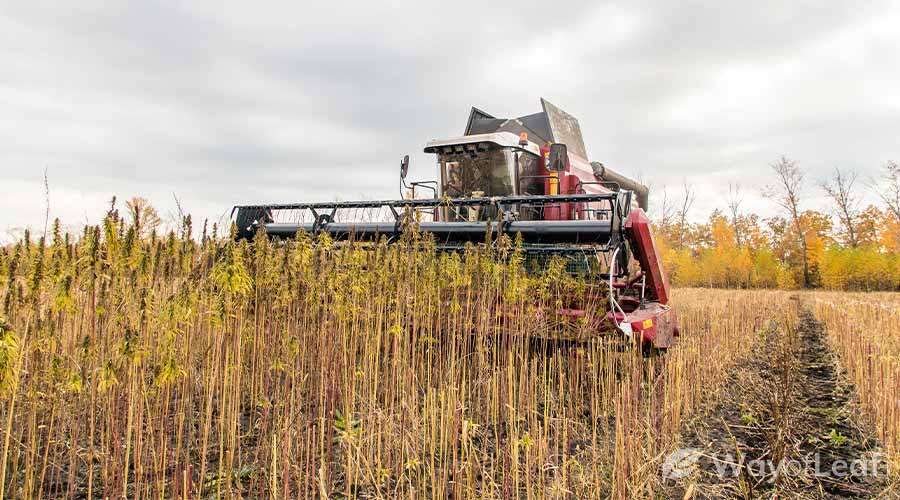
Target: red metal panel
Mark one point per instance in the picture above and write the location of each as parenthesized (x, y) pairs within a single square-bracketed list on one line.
[(655, 324), (638, 228), (567, 182)]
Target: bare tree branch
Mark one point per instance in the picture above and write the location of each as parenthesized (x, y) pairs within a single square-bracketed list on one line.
[(686, 203), (667, 211), (839, 188), (734, 204), (888, 188)]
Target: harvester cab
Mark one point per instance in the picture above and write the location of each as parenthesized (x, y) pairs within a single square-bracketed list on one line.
[(528, 178)]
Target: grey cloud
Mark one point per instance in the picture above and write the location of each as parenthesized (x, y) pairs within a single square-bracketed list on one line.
[(226, 103)]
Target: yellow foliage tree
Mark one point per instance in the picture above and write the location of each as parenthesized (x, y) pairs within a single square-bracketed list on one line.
[(767, 257)]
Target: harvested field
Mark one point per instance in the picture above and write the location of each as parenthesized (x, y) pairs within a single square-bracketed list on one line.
[(864, 329), (789, 426)]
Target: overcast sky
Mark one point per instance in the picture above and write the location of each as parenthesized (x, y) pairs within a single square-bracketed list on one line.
[(224, 103)]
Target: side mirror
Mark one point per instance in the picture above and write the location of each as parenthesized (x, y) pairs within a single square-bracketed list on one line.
[(556, 162), (404, 166)]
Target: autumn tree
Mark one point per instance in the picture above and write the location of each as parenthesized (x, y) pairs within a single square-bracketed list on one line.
[(788, 193), (870, 224), (818, 227), (839, 188), (752, 232)]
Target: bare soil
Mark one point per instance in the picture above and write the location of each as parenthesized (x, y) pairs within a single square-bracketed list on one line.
[(787, 426)]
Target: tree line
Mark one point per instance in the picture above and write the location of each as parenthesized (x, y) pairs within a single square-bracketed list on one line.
[(849, 247)]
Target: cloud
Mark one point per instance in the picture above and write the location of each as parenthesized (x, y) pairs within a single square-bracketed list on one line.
[(224, 103)]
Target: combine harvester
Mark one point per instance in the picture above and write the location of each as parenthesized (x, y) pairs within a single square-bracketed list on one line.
[(527, 178)]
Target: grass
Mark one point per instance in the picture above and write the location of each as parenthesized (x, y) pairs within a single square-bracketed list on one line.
[(163, 367)]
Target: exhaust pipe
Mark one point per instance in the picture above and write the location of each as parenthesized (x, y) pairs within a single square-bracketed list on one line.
[(606, 174)]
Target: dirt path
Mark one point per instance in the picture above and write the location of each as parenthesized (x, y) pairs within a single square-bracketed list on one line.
[(786, 427)]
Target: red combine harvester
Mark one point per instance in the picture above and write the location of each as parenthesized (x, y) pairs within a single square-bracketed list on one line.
[(528, 178)]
